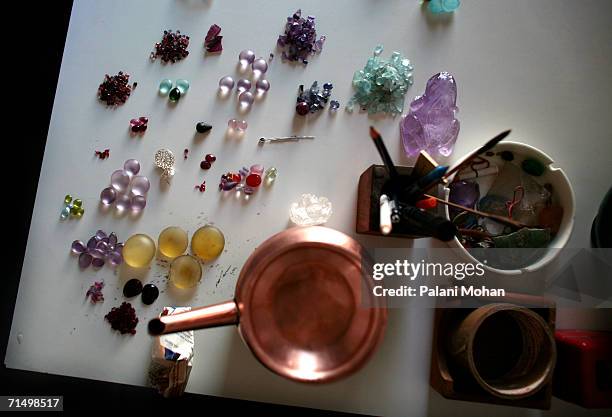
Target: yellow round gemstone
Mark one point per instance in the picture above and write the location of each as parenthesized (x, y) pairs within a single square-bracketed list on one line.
[(185, 272), (67, 199), (138, 251), (78, 202), (207, 243), (172, 241)]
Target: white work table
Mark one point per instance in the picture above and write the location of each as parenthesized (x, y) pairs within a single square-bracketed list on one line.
[(541, 68)]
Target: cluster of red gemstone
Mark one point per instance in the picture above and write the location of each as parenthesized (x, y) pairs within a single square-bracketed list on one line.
[(172, 48), (115, 89), (103, 154), (123, 318), (201, 187), (208, 160)]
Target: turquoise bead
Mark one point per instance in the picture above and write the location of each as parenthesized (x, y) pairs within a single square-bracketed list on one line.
[(165, 86), (182, 85), (175, 94), (443, 6)]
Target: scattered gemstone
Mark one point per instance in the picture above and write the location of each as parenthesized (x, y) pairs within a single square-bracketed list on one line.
[(202, 127), (262, 86), (115, 89), (95, 292), (182, 85), (300, 38), (382, 84), (186, 271), (150, 292), (431, 125), (259, 66), (334, 105), (132, 288), (443, 6), (172, 241), (139, 125), (201, 187), (238, 125), (313, 99), (165, 86), (302, 108), (205, 165), (174, 95), (123, 318), (103, 154), (210, 158), (243, 85), (172, 48), (212, 42), (207, 243), (185, 153)]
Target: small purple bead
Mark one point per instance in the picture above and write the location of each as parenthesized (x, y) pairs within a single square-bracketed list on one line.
[(78, 247), (246, 57), (260, 65), (226, 83), (138, 203), (97, 262), (103, 246), (131, 167), (243, 85), (262, 86), (108, 196), (85, 260), (246, 98)]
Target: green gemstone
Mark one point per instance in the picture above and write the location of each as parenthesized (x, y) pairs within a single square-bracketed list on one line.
[(182, 85), (78, 203), (533, 167), (80, 211), (67, 199), (74, 210), (165, 86), (175, 94)]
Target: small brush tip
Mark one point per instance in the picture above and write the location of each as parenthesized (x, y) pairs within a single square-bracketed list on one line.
[(374, 133)]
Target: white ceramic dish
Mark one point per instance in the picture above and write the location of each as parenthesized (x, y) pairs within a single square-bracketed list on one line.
[(563, 196)]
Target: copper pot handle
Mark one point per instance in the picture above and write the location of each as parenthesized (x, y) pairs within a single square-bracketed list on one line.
[(222, 314)]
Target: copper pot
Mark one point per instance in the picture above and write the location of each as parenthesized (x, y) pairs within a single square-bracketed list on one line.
[(298, 306)]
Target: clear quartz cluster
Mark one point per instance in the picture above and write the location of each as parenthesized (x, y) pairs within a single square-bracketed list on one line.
[(310, 210), (381, 85)]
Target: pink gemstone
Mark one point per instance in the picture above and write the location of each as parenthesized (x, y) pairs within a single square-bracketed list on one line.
[(257, 169)]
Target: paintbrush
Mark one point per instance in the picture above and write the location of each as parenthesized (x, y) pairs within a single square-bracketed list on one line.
[(384, 154), (484, 148), (496, 217)]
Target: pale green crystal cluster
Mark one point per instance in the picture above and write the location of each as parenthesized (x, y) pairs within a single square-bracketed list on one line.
[(381, 85)]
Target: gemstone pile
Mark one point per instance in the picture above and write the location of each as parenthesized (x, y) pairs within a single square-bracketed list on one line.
[(172, 48), (123, 318), (128, 191), (115, 89), (430, 124), (300, 38), (313, 99), (208, 161), (72, 207), (100, 248), (95, 292), (174, 91), (381, 85), (212, 42), (246, 179), (139, 125)]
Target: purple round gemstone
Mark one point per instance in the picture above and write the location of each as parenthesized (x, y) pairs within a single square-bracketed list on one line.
[(138, 203), (85, 260), (226, 83), (122, 202), (120, 180), (140, 185), (108, 196), (78, 247), (246, 57), (262, 86), (246, 98), (131, 167)]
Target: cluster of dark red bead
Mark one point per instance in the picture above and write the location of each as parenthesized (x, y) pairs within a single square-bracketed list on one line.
[(208, 160), (115, 89), (103, 154), (123, 318), (172, 48)]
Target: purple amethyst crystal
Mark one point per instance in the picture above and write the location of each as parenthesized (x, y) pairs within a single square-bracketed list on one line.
[(300, 38), (430, 124)]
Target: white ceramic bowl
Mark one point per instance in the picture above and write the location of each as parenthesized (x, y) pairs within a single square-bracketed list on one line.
[(563, 196)]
